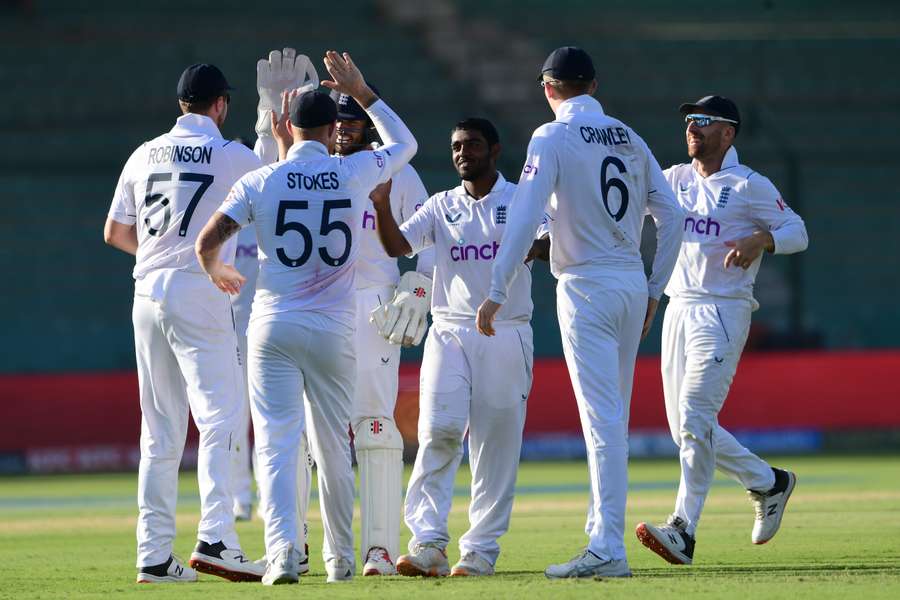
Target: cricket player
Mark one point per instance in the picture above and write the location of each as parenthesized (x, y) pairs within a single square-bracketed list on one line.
[(600, 179), (732, 215), (401, 307), (283, 70), (305, 211), (459, 387), (184, 336)]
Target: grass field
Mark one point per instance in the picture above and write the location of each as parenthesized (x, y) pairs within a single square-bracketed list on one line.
[(73, 537)]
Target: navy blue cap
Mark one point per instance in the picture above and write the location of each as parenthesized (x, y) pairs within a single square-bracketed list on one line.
[(202, 82), (718, 106), (350, 110), (312, 109), (568, 64)]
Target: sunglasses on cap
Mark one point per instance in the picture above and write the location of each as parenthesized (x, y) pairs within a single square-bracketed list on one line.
[(704, 120)]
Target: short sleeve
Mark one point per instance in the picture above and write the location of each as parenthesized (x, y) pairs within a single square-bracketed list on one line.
[(123, 209), (238, 205), (419, 228), (369, 168)]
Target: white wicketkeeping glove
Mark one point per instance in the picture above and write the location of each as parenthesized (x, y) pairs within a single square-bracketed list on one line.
[(404, 319), (285, 70)]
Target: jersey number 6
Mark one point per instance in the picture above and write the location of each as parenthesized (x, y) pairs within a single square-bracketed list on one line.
[(326, 227), (614, 182)]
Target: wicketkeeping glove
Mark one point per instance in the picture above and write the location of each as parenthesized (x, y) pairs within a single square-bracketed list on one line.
[(285, 70), (404, 319)]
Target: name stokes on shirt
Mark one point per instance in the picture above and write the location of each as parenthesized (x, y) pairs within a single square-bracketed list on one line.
[(327, 180)]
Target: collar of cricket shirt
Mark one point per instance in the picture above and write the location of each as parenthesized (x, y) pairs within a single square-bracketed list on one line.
[(307, 148), (498, 185), (728, 161), (579, 104), (192, 124)]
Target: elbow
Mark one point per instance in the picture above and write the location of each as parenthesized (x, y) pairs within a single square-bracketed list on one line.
[(108, 238)]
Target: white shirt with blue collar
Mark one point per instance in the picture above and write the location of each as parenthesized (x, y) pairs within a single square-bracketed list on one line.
[(171, 186), (596, 179), (307, 212), (728, 205), (465, 233)]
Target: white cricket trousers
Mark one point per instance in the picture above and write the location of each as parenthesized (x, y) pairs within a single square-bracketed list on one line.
[(601, 315), (241, 473), (313, 353), (377, 360), (701, 345), (481, 383), (187, 360)]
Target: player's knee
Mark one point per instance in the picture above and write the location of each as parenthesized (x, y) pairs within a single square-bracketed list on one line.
[(377, 434), (694, 433)]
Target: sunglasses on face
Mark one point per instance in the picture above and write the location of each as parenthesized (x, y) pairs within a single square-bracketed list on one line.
[(704, 120)]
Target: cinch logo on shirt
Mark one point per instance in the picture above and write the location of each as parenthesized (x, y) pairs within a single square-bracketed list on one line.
[(248, 250), (701, 226), (528, 170), (368, 220), (473, 252)]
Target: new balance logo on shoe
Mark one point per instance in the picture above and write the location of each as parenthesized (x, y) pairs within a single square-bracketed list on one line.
[(773, 508)]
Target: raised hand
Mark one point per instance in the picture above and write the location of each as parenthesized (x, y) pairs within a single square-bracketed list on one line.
[(346, 78)]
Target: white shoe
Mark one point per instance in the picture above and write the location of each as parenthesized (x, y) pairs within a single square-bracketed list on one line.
[(425, 560), (378, 562), (231, 564), (283, 569), (770, 505), (472, 565), (171, 571), (302, 561), (670, 540), (339, 570), (587, 564)]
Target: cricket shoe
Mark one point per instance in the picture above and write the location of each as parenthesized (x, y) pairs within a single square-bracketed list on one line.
[(670, 540), (588, 564), (378, 562), (425, 560), (302, 561), (339, 570), (216, 559), (471, 565), (283, 569), (770, 505), (171, 571)]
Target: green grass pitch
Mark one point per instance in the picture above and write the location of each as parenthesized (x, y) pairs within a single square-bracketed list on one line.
[(73, 537)]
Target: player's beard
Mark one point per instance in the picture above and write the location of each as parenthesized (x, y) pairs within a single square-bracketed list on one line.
[(474, 170)]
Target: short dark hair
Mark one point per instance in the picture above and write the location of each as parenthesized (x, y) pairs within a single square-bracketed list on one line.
[(482, 126), (197, 106), (571, 87)]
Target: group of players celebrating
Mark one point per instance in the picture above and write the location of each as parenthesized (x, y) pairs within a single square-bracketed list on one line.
[(323, 204)]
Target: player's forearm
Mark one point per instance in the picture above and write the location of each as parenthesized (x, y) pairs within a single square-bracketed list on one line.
[(213, 235), (121, 236), (393, 240), (399, 142)]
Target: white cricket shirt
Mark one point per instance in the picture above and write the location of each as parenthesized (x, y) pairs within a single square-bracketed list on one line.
[(247, 263), (596, 179), (172, 185), (466, 235), (728, 205), (375, 268), (307, 211)]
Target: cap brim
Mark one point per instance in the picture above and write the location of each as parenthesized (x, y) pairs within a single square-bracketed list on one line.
[(689, 108)]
